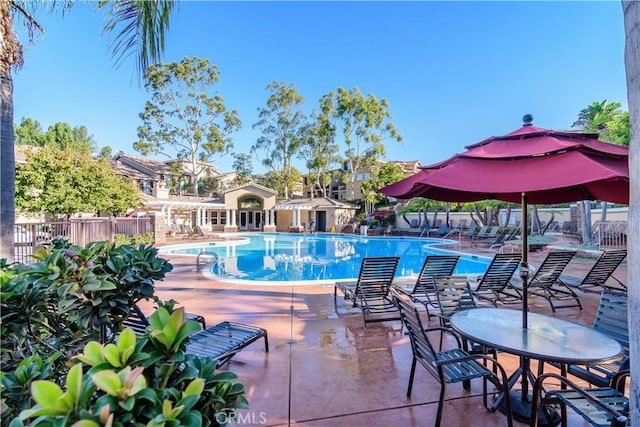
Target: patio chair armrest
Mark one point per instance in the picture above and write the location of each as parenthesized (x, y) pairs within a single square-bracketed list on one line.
[(444, 329)]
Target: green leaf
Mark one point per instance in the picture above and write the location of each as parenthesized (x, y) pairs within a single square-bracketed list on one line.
[(74, 382), (195, 387), (111, 354), (107, 381), (46, 393), (85, 423)]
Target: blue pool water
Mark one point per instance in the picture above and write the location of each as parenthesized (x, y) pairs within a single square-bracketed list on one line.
[(286, 257)]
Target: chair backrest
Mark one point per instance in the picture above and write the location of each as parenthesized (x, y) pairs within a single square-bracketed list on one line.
[(462, 224), (471, 231), (604, 267), (434, 265), (482, 232), (454, 294), (420, 344), (493, 231), (437, 223), (611, 318), (552, 267), (499, 272), (376, 275), (566, 226), (198, 231)]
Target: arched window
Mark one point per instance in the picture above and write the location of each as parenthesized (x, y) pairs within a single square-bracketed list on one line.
[(250, 203)]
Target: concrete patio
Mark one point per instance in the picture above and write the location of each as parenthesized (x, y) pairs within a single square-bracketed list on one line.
[(324, 368)]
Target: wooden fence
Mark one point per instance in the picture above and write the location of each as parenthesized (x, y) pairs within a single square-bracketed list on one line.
[(78, 231)]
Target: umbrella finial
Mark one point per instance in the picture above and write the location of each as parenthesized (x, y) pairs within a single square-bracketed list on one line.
[(527, 120)]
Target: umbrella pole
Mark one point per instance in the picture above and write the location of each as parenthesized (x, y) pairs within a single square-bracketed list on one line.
[(524, 264)]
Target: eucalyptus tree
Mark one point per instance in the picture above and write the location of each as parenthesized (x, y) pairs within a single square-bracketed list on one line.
[(59, 135), (243, 167), (365, 123), (319, 149), (283, 126), (184, 119), (139, 28), (631, 10)]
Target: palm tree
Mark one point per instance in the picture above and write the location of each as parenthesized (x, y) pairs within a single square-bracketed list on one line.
[(140, 26), (631, 11)]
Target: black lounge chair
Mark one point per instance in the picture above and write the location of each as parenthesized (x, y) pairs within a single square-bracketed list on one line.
[(423, 290), (494, 285), (221, 341), (602, 270), (603, 406), (371, 291), (451, 365), (546, 281)]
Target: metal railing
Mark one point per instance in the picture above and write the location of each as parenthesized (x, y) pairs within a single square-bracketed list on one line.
[(611, 234)]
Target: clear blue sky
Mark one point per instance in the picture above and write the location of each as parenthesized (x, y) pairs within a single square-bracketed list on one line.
[(454, 72)]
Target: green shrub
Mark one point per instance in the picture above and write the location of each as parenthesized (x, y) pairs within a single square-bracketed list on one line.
[(138, 239), (68, 308)]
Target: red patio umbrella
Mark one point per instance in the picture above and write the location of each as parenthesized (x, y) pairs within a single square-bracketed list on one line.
[(529, 165)]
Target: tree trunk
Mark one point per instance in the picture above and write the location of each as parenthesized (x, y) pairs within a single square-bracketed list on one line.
[(603, 215), (632, 63), (585, 219), (7, 158)]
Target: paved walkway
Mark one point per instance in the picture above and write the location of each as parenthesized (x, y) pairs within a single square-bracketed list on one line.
[(323, 367)]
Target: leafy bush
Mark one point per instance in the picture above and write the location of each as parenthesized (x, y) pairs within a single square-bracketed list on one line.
[(66, 310), (138, 239)]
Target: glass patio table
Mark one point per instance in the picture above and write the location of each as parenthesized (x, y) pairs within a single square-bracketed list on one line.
[(547, 339)]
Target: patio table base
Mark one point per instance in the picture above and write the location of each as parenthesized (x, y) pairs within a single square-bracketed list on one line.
[(521, 410)]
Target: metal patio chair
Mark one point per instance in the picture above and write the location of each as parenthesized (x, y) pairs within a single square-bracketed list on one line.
[(449, 366), (611, 319), (603, 407)]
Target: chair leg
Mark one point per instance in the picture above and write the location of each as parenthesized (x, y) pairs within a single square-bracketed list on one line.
[(440, 402), (411, 374)]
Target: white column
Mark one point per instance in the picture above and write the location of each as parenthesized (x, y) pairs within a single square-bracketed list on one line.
[(228, 217), (272, 216), (234, 212)]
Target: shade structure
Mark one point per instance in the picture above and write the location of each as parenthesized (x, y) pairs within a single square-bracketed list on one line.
[(528, 165)]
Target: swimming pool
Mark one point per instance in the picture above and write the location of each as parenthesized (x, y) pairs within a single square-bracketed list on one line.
[(282, 258)]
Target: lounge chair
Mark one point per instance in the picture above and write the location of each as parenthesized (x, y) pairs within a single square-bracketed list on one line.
[(603, 406), (221, 341), (423, 290), (546, 282), (566, 227), (480, 234), (198, 233), (451, 365), (602, 270), (371, 291), (188, 231), (462, 224), (494, 285), (501, 242)]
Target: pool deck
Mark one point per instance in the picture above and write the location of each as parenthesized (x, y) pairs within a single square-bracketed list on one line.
[(323, 368)]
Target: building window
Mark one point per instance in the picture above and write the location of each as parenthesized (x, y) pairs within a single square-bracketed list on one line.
[(250, 203), (223, 218)]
